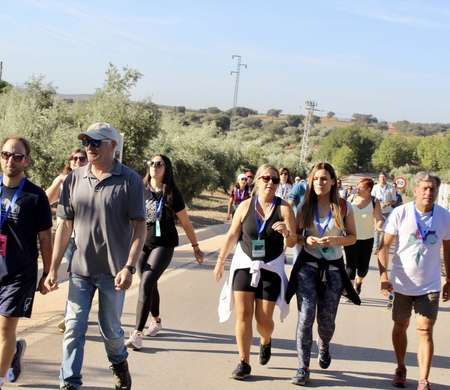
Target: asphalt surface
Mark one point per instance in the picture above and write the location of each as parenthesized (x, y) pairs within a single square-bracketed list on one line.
[(195, 351)]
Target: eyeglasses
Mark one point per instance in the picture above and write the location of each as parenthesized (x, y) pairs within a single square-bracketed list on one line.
[(156, 164), (361, 188), (266, 179), (249, 177), (390, 304), (95, 143), (284, 173), (80, 159), (17, 157)]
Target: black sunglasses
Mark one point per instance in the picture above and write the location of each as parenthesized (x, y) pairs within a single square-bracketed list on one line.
[(156, 164), (80, 159), (266, 179), (95, 143), (17, 157)]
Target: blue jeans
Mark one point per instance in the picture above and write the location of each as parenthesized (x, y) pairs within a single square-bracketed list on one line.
[(79, 303)]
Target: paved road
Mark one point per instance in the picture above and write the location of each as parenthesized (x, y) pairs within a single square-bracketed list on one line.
[(195, 351)]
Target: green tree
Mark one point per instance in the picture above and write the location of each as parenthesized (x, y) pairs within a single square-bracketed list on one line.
[(273, 113), (330, 114), (345, 160), (364, 119), (428, 152), (395, 152), (295, 120), (4, 85)]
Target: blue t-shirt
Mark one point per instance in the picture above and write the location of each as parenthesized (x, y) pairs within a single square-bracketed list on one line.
[(297, 194)]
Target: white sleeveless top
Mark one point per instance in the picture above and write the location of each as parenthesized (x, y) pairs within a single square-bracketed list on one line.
[(364, 221)]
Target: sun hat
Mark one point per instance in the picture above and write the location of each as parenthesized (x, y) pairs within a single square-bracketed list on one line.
[(241, 176), (100, 131)]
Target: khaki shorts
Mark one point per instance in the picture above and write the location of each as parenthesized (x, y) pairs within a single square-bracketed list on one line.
[(424, 305)]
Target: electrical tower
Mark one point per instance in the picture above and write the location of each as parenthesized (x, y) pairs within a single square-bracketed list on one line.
[(236, 89), (1, 69), (310, 105)]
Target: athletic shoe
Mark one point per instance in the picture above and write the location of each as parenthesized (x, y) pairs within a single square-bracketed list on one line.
[(399, 377), (358, 288), (16, 365), (265, 351), (375, 252), (424, 385), (324, 358), (242, 371), (153, 328), (68, 386), (302, 377), (122, 375), (135, 341), (62, 326)]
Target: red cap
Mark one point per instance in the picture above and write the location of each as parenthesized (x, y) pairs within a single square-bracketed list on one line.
[(248, 174)]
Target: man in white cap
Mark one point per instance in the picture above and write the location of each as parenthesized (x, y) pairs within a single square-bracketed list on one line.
[(104, 204)]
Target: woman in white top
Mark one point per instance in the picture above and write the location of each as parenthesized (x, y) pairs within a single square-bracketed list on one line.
[(285, 186), (366, 208)]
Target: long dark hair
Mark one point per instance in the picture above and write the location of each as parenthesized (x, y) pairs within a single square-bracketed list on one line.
[(168, 181), (307, 213)]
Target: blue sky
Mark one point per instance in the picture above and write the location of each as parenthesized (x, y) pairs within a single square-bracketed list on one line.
[(386, 58)]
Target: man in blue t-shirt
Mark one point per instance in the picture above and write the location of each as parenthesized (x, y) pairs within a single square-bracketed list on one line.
[(295, 199)]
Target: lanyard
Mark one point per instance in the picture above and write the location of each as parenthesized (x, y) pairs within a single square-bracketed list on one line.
[(322, 230), (423, 236), (283, 190), (241, 196), (14, 199), (258, 223), (159, 203)]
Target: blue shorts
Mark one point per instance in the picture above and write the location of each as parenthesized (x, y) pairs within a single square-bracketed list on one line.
[(17, 296)]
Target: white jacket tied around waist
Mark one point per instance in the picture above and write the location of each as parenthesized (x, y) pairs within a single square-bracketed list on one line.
[(241, 260)]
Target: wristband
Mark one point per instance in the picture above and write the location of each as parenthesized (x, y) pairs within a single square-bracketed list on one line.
[(193, 245)]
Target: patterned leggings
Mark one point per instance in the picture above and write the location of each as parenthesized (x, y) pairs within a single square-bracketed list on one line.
[(307, 301)]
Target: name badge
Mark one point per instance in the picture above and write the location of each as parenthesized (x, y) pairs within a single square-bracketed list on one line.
[(158, 228), (258, 248), (3, 240), (326, 252)]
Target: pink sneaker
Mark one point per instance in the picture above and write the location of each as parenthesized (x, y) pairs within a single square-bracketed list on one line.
[(135, 341), (153, 328)]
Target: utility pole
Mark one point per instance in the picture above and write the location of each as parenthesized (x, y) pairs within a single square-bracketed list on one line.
[(310, 105), (236, 89), (1, 70)]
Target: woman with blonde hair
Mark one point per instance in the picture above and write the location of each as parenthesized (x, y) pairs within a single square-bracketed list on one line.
[(261, 227), (325, 224)]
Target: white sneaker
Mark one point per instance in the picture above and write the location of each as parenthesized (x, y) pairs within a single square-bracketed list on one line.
[(153, 328), (135, 341)]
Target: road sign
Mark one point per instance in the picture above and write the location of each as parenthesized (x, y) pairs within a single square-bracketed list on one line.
[(401, 182)]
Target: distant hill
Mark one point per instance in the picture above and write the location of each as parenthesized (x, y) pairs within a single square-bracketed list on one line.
[(83, 96)]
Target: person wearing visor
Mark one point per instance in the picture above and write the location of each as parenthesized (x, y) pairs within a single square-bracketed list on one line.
[(104, 204)]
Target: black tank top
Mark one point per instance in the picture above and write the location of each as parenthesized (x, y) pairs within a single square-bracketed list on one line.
[(274, 241)]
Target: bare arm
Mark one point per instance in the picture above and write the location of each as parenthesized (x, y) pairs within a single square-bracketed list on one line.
[(124, 277), (383, 262), (378, 216), (287, 226), (446, 287), (46, 246), (230, 205), (190, 233), (231, 238), (62, 239), (53, 192)]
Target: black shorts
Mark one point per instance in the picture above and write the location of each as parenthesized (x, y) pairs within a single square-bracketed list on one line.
[(268, 288), (17, 295)]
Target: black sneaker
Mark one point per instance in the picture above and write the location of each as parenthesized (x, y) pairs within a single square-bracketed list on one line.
[(324, 358), (242, 371), (265, 351), (68, 386), (302, 377), (358, 288), (121, 375), (15, 370)]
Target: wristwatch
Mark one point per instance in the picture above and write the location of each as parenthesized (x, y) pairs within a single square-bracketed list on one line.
[(130, 268)]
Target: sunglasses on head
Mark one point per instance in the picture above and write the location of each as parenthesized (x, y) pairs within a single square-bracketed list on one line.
[(17, 157), (95, 143), (266, 179), (80, 159), (156, 164)]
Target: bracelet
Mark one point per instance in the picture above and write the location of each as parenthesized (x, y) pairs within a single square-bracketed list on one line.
[(221, 260), (447, 280), (194, 245)]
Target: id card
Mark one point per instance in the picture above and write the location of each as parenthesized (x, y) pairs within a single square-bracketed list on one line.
[(3, 240), (158, 229), (258, 248), (326, 252)]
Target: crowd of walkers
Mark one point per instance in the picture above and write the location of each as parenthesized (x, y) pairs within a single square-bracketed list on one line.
[(113, 224)]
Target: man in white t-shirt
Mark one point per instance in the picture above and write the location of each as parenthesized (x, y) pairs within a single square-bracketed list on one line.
[(422, 227), (386, 195)]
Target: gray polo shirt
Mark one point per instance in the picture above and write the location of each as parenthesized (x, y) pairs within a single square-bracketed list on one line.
[(102, 213)]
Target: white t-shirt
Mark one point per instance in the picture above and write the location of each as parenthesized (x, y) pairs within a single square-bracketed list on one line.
[(385, 195), (415, 273)]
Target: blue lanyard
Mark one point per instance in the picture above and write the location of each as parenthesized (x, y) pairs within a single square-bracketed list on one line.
[(241, 197), (416, 215), (322, 231), (159, 204), (258, 223), (13, 202), (283, 189)]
